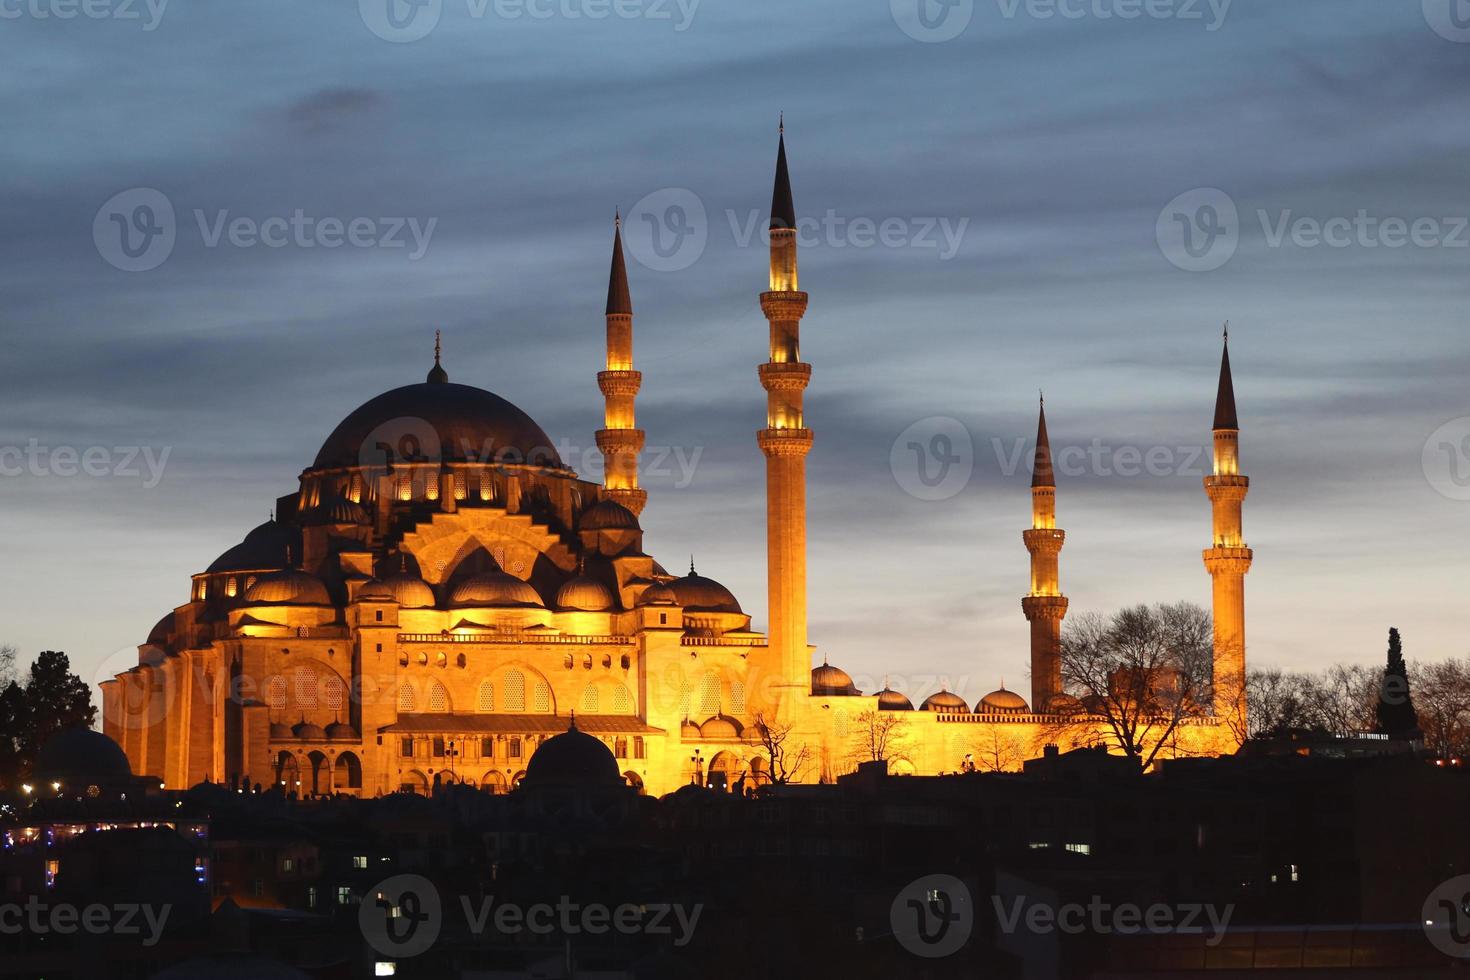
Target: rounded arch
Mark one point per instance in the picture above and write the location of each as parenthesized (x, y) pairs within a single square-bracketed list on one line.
[(515, 781), (634, 780), (288, 771), (439, 702), (414, 781), (606, 696), (721, 772), (485, 701), (320, 771), (346, 772), (520, 687), (407, 700), (493, 782)]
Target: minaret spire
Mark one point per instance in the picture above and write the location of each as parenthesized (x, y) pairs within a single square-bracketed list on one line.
[(1229, 559), (785, 441), (1045, 606), (620, 440), (437, 374)]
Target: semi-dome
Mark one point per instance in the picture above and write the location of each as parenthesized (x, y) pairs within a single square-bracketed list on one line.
[(340, 731), (336, 510), (1002, 702), (608, 515), (308, 732), (438, 421), (699, 594), (572, 758), (495, 588), (267, 546), (720, 727), (584, 594), (289, 586), (410, 591), (946, 703), (82, 756), (829, 681), (658, 594), (1062, 704), (159, 634), (890, 700)]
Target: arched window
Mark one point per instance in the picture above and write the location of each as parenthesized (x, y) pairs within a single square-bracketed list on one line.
[(587, 661), (440, 660), (568, 662), (275, 692), (333, 691), (737, 698), (622, 700), (306, 686), (460, 661), (541, 698), (405, 698), (709, 695), (686, 697), (438, 698), (590, 700), (515, 691), (487, 696)]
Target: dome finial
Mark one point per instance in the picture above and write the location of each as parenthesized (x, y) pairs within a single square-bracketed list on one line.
[(691, 566), (437, 374), (1227, 331), (573, 725), (781, 126)]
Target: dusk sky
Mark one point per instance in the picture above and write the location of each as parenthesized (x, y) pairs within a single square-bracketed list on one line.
[(1025, 173)]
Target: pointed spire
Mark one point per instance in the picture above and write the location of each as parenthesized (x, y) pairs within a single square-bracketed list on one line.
[(1225, 397), (783, 209), (691, 565), (437, 374), (619, 300), (573, 725), (1042, 474)]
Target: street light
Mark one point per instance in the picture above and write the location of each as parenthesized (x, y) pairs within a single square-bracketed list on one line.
[(451, 754), (696, 761)]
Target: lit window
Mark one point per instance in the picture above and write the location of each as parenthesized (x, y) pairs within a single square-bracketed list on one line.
[(515, 691), (1080, 848), (590, 700), (385, 968), (359, 860), (487, 696), (288, 864), (620, 748), (542, 697), (405, 698), (622, 700), (637, 746), (515, 747), (438, 697), (344, 895)]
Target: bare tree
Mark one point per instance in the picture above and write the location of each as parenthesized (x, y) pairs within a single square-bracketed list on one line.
[(1345, 698), (1442, 695), (997, 753), (786, 761), (7, 663), (1280, 700), (882, 736), (1144, 671)]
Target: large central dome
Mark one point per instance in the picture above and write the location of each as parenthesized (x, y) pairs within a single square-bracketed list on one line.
[(438, 421)]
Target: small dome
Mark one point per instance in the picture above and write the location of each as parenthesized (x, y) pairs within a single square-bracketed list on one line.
[(585, 594), (572, 758), (266, 547), (494, 589), (1063, 704), (658, 594), (340, 731), (720, 727), (81, 755), (375, 590), (889, 700), (946, 703), (688, 729), (608, 515), (306, 731), (699, 594), (410, 591), (336, 509), (280, 732), (829, 681), (289, 586), (159, 634), (1002, 702)]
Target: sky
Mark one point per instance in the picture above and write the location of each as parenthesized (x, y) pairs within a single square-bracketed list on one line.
[(998, 196)]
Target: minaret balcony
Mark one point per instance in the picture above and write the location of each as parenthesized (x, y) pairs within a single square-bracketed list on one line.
[(790, 376), (784, 305), (784, 442), (1228, 561), (619, 382), (619, 440)]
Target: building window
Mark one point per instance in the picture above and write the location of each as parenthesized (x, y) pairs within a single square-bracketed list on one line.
[(542, 695), (515, 747), (405, 747), (487, 747), (257, 887), (590, 700), (378, 613), (344, 895), (380, 648), (359, 861), (638, 747), (230, 586), (405, 698), (515, 691), (622, 700), (1080, 848), (663, 619), (288, 864), (568, 662), (620, 748), (438, 746), (709, 695), (626, 662), (311, 896), (438, 697), (487, 696), (737, 698)]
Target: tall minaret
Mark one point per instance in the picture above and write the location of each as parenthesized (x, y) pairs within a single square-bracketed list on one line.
[(1229, 559), (785, 441), (1044, 605), (620, 440)]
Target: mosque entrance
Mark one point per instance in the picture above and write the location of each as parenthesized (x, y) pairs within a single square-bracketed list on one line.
[(719, 772)]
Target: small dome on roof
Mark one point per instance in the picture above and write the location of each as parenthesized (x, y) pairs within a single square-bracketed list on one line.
[(720, 727), (81, 755), (699, 594), (1002, 702), (688, 729), (409, 591), (658, 594), (945, 702), (1063, 704), (306, 731), (266, 547), (159, 634), (585, 594), (375, 590), (340, 731), (494, 588), (290, 587), (889, 700), (281, 731), (572, 758), (335, 509), (608, 515), (829, 681)]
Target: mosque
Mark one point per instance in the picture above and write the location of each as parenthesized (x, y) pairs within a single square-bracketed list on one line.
[(442, 594)]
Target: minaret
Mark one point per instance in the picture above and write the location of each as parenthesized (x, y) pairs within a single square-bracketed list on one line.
[(620, 440), (1229, 559), (1044, 605), (785, 441)]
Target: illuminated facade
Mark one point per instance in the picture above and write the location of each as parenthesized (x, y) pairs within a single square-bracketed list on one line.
[(442, 593)]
